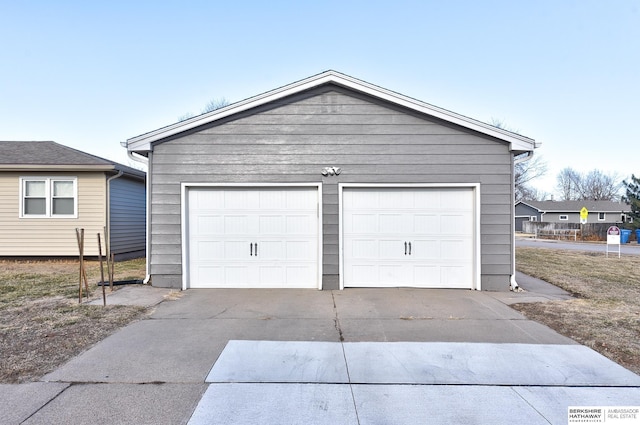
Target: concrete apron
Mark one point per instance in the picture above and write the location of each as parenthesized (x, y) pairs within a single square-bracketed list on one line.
[(384, 356), (407, 383)]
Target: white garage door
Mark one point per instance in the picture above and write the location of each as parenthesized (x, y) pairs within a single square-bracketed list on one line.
[(415, 237), (253, 238)]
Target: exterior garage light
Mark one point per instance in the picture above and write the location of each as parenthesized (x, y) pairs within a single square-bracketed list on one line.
[(331, 171)]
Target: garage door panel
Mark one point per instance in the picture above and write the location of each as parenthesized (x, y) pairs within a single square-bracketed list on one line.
[(454, 275), (243, 199), (253, 237), (362, 248), (299, 250), (392, 223), (421, 237), (299, 224), (239, 225), (363, 198), (391, 249), (270, 276), (460, 249), (299, 273), (201, 201), (210, 224), (359, 223), (363, 275), (427, 224), (454, 199), (273, 199), (294, 200), (392, 275), (395, 198), (272, 224), (270, 250), (425, 249), (429, 275), (211, 276), (208, 249), (426, 200)]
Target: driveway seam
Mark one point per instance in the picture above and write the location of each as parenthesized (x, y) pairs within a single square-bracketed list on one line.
[(344, 356), (48, 402)]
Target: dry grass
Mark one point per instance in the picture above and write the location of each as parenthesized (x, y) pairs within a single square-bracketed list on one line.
[(41, 323), (606, 312)]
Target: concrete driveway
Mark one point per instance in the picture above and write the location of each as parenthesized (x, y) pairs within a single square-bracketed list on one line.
[(356, 356)]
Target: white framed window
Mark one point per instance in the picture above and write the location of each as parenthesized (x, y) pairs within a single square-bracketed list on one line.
[(602, 216), (48, 197), (564, 217), (533, 218)]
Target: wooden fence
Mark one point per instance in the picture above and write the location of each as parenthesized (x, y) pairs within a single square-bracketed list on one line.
[(589, 231)]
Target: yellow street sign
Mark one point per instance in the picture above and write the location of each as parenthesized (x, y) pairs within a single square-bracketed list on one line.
[(584, 213)]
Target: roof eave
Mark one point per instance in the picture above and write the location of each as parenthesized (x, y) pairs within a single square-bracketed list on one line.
[(57, 167), (516, 142)]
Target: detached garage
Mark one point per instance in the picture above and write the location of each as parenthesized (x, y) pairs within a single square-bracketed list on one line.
[(331, 183)]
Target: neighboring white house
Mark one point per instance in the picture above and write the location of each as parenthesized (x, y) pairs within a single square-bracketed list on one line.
[(47, 190)]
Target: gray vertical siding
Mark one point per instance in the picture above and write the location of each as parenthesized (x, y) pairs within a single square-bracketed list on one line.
[(127, 217), (373, 142)]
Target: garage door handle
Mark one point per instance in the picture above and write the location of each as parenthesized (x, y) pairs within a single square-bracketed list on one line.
[(409, 248), (251, 249), (405, 248), (256, 249)]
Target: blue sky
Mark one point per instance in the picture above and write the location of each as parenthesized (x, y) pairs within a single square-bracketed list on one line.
[(92, 74)]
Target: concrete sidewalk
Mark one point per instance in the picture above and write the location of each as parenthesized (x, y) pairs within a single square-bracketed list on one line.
[(162, 369)]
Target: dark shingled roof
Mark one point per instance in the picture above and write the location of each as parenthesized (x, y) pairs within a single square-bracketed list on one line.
[(54, 154), (575, 206)]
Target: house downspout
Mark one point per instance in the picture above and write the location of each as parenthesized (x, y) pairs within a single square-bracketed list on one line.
[(513, 285), (145, 161), (107, 237)]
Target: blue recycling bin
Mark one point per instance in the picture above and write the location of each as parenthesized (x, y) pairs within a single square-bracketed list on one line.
[(638, 235), (625, 234)]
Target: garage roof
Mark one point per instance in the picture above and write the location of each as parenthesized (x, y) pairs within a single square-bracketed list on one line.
[(142, 144)]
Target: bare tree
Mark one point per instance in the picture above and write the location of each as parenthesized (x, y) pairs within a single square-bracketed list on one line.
[(525, 171), (594, 185), (601, 187), (530, 193), (212, 105), (567, 184)]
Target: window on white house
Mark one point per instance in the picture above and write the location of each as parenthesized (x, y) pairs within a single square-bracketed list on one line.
[(564, 217), (62, 197), (533, 218), (43, 197), (601, 216), (35, 198)]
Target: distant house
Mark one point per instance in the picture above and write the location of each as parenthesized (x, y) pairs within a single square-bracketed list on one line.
[(569, 212), (47, 190)]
